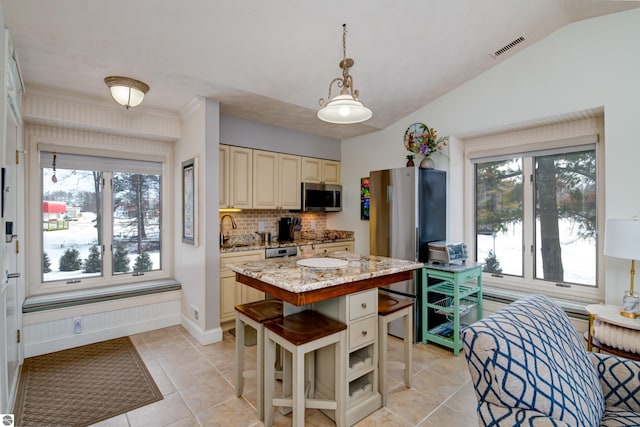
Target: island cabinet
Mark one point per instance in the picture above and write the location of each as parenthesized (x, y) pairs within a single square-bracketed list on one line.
[(233, 293), (360, 312)]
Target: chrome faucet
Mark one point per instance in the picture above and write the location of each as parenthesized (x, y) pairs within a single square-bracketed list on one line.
[(233, 225)]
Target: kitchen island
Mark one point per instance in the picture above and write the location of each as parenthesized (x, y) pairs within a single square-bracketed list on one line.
[(347, 293)]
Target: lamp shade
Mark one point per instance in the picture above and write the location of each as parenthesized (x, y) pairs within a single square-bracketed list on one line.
[(126, 91), (344, 109), (622, 238)]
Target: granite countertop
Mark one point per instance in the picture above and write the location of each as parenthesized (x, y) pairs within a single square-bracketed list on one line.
[(286, 274), (240, 247)]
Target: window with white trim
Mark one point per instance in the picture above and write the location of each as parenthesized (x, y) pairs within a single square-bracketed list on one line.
[(101, 220), (536, 216)]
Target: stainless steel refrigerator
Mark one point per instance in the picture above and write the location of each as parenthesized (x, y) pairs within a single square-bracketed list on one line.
[(407, 211)]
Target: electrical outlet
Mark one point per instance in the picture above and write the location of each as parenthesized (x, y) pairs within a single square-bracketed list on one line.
[(261, 226), (313, 225), (196, 315), (77, 325)]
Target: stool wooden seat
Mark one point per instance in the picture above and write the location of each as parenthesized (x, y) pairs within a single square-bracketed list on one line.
[(301, 334), (254, 314), (390, 309)]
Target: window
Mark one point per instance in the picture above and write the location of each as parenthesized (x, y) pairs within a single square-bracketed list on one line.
[(101, 219), (536, 217)]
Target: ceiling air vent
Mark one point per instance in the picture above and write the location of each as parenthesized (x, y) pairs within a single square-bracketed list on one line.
[(507, 47)]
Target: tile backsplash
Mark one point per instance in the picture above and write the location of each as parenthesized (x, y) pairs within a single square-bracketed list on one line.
[(248, 221)]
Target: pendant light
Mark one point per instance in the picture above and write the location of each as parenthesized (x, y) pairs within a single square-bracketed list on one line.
[(344, 108), (126, 91)]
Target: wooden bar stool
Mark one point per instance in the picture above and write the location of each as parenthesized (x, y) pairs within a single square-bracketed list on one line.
[(390, 309), (301, 334), (254, 314)]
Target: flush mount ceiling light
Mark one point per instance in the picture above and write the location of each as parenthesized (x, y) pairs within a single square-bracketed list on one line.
[(345, 108), (125, 91)]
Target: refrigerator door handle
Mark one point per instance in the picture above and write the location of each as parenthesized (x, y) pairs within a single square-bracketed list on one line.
[(389, 194), (417, 244)]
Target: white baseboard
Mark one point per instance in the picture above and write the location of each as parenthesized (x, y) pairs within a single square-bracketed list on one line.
[(204, 337)]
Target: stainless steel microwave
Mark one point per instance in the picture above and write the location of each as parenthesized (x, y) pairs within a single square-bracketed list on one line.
[(321, 197)]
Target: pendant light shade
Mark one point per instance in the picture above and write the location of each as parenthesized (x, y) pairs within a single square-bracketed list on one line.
[(344, 108), (126, 91)]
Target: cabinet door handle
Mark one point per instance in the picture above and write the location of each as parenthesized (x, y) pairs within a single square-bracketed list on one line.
[(364, 333), (364, 305)]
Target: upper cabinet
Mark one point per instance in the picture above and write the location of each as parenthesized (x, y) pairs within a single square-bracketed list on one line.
[(320, 171), (258, 179), (236, 185), (290, 178), (276, 180), (224, 180)]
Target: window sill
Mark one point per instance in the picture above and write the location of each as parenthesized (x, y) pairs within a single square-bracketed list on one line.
[(572, 308), (90, 296)]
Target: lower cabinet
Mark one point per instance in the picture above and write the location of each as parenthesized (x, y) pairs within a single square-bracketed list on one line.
[(324, 248), (360, 312), (231, 292)]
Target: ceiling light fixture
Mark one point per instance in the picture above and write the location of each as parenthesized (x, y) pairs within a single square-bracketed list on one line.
[(345, 108), (125, 91)]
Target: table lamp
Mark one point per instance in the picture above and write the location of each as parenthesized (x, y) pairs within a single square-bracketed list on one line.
[(622, 240)]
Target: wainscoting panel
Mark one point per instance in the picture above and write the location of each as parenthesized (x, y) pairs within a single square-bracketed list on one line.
[(54, 335)]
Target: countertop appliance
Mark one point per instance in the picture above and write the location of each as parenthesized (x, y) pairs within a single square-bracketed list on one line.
[(407, 211), (285, 229), (447, 253), (321, 197)]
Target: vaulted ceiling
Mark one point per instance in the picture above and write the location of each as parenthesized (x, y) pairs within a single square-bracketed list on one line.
[(271, 60)]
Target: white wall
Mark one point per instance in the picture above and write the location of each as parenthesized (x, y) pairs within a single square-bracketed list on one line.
[(244, 133), (588, 64), (197, 267)]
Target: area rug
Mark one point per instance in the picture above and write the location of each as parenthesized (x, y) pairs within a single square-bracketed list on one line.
[(83, 385)]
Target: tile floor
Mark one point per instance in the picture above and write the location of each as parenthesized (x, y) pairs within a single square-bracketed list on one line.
[(197, 384)]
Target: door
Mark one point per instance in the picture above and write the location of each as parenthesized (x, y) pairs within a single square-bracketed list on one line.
[(12, 281)]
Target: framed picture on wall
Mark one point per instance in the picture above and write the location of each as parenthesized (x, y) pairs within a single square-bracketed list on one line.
[(190, 201), (365, 198)]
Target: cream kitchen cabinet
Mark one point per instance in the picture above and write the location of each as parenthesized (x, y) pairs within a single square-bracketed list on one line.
[(276, 180), (236, 185), (324, 248), (231, 292), (223, 171), (320, 171)]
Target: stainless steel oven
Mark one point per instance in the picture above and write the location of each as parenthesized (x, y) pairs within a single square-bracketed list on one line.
[(281, 252)]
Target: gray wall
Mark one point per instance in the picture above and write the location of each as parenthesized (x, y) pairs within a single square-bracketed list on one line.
[(245, 133)]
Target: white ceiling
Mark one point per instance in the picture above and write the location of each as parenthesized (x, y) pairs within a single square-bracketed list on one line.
[(271, 60)]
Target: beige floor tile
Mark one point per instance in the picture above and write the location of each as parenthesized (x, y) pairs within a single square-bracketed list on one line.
[(207, 394), (119, 421), (202, 375), (233, 412), (464, 401), (383, 417), (445, 416), (191, 373), (410, 404), (434, 385), (162, 380), (169, 410), (189, 421)]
